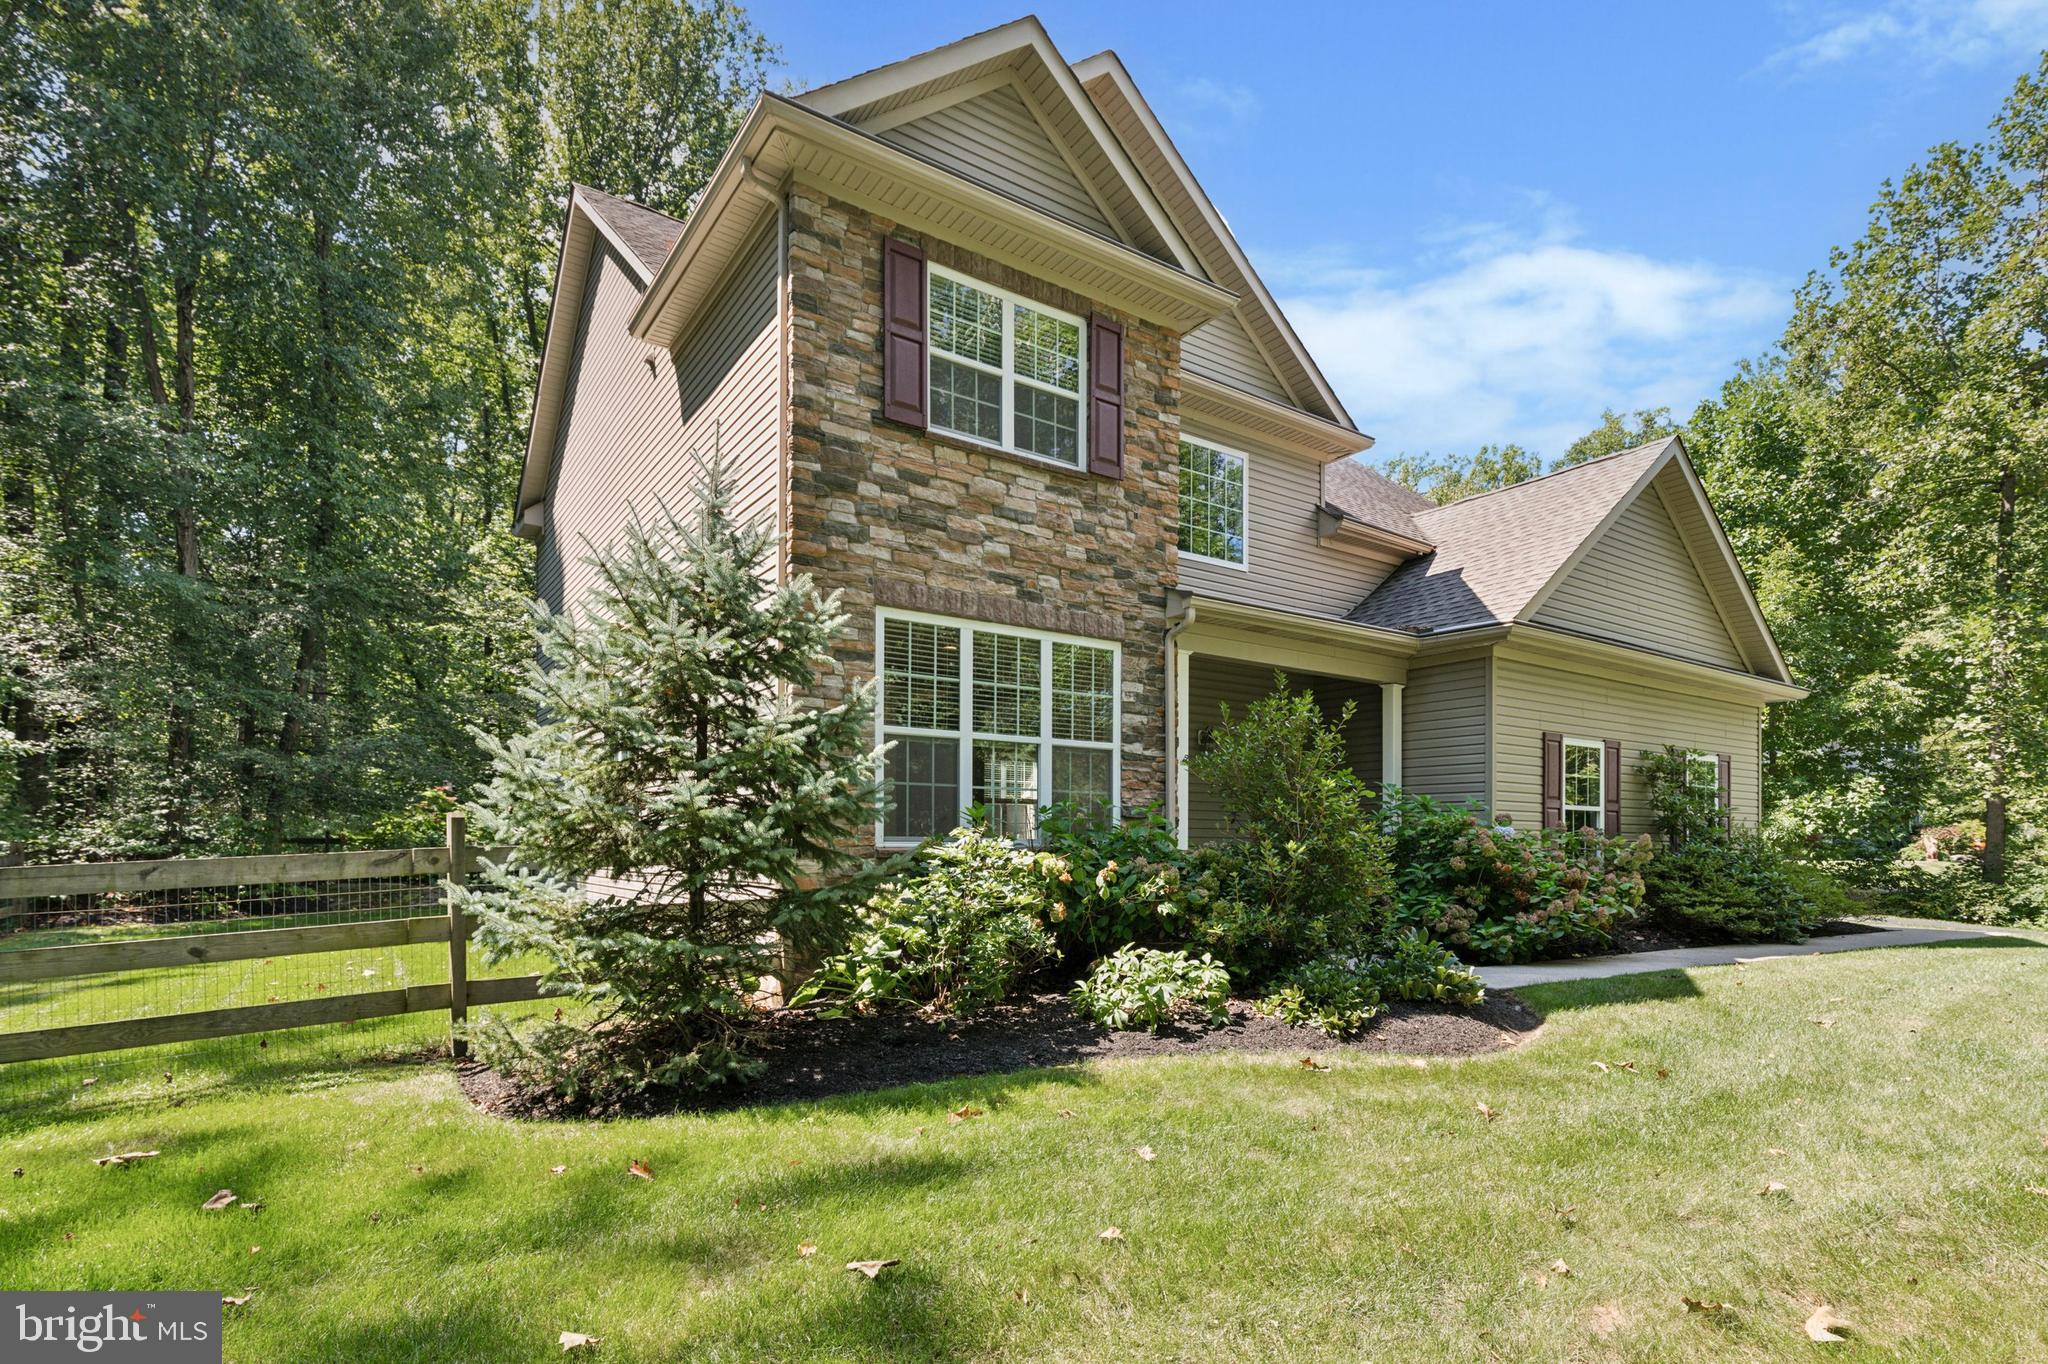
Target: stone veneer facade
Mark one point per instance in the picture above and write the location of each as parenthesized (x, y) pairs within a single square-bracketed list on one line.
[(892, 516)]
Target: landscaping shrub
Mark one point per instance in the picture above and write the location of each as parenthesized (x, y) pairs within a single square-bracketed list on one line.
[(669, 767), (1305, 870), (1956, 889), (1731, 887), (1124, 882), (955, 934), (1142, 987), (1340, 995), (1500, 894)]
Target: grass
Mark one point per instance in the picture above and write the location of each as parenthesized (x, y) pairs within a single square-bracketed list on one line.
[(1369, 1211)]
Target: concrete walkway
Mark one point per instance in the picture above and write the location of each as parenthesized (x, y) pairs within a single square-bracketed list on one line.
[(1897, 933)]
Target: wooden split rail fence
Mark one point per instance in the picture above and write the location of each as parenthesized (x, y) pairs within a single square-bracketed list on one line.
[(456, 860)]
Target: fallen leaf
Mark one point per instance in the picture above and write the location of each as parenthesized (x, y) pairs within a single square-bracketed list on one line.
[(1145, 1153), (1774, 1189), (418, 1169), (1486, 1111), (1066, 1113), (1711, 1308), (871, 1268), (576, 1340), (1568, 1214), (254, 1249), (1418, 1063), (1110, 1234), (252, 1207), (19, 1172), (376, 1217), (1310, 1063), (1561, 1269), (806, 1249), (2038, 1190), (88, 1082), (225, 1198), (1663, 1073), (125, 1157), (1600, 1066), (1628, 1066), (1823, 1326), (558, 1169), (237, 1299), (1023, 1296), (1774, 1150), (963, 1113), (1822, 1022), (640, 1168)]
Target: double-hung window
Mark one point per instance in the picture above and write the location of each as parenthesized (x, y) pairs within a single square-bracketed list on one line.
[(1011, 720), (1585, 784), (1004, 370), (1703, 772), (1212, 503)]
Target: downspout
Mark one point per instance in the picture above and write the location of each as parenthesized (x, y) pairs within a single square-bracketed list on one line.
[(1174, 757)]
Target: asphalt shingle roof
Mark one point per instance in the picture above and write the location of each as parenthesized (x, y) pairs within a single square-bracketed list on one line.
[(1496, 550), (1365, 494), (647, 233)]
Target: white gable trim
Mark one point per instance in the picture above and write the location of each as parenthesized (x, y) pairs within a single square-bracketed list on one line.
[(1023, 37)]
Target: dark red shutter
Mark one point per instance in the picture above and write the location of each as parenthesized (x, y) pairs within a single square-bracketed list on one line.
[(1726, 789), (1553, 781), (905, 354), (1105, 397), (1612, 787)]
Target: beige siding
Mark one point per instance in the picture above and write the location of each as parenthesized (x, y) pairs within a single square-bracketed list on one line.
[(1638, 585), (1222, 350), (629, 431), (1529, 700), (1444, 731), (1286, 567), (1214, 681), (995, 140)]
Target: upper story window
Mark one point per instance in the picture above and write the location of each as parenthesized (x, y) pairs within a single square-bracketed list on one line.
[(1011, 720), (1585, 784), (1004, 371), (1212, 503)]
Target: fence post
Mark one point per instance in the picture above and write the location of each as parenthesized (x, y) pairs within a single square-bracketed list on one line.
[(458, 935)]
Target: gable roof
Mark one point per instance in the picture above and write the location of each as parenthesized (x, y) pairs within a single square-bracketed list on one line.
[(1110, 86), (1500, 554), (1019, 54), (1363, 493), (644, 234)]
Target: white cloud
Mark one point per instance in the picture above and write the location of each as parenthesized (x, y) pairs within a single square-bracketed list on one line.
[(1206, 108), (1958, 31), (1520, 334)]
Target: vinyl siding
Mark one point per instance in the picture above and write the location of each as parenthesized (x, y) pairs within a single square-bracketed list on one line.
[(1638, 585), (1444, 731), (1214, 681), (1222, 350), (630, 436), (994, 139), (1286, 567), (1529, 700)]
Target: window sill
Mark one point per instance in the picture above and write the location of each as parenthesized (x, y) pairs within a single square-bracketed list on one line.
[(1215, 563)]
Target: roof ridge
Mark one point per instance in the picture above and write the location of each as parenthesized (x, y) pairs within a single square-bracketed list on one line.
[(1554, 473), (578, 187)]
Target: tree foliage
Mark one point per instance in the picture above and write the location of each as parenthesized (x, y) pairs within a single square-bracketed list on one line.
[(272, 284), (1446, 478), (1616, 433)]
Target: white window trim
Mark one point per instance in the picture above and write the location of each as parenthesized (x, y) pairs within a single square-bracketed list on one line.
[(1564, 807), (967, 734), (1244, 483), (1007, 372), (1694, 760)]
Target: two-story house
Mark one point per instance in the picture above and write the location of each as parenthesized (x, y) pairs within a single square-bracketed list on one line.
[(970, 332)]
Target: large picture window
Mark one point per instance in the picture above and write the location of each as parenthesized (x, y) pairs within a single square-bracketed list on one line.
[(1004, 370), (1212, 503), (1008, 719), (1585, 785)]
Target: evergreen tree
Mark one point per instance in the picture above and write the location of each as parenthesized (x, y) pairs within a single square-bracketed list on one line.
[(676, 810)]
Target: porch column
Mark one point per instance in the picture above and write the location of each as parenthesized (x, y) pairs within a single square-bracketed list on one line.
[(1390, 734), (1179, 754)]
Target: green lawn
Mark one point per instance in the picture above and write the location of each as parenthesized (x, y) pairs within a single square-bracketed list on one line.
[(1369, 1211)]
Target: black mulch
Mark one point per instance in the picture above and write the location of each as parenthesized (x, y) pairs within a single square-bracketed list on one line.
[(808, 1056), (1654, 937)]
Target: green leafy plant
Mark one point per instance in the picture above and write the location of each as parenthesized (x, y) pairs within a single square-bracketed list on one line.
[(953, 935), (1143, 987), (1340, 995), (1125, 882), (1730, 886), (1305, 869), (1682, 808)]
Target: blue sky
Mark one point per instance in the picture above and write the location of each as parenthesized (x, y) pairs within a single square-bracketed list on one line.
[(1489, 221)]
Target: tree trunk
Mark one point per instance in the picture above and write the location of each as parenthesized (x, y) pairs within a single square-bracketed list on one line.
[(1999, 755)]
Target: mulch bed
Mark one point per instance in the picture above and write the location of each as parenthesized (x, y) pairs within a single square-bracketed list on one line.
[(812, 1057), (1656, 938)]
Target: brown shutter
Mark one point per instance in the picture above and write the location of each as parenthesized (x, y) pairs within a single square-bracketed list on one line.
[(1725, 788), (1612, 787), (905, 355), (1105, 397), (1553, 781)]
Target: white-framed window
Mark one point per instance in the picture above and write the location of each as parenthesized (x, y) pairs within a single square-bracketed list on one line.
[(1585, 784), (991, 715), (1703, 771), (1212, 503), (1005, 371)]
